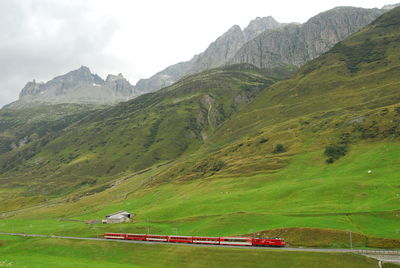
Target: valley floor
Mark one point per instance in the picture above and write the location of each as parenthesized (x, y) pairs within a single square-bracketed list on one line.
[(46, 252)]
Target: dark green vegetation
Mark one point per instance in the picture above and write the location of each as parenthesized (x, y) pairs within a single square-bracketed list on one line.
[(202, 158), (22, 126), (22, 252), (390, 265), (334, 152), (279, 148)]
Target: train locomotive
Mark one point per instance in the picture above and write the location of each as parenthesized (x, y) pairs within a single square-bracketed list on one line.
[(227, 241)]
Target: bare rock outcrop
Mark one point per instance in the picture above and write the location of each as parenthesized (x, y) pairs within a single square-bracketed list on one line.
[(296, 44), (217, 54), (78, 86)]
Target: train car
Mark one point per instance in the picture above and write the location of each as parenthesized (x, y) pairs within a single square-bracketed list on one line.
[(236, 241), (268, 242), (115, 236), (206, 240), (157, 238), (180, 239), (230, 241), (139, 237)]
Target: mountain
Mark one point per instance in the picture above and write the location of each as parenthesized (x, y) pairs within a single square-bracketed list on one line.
[(134, 135), (267, 43), (229, 151), (215, 55), (164, 78), (298, 44), (119, 85), (260, 25), (388, 7), (230, 42), (79, 86), (264, 43)]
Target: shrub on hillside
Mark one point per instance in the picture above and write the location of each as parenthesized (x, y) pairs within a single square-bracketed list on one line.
[(209, 166), (279, 148), (334, 152)]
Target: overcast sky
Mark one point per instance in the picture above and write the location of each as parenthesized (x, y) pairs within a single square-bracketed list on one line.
[(40, 39)]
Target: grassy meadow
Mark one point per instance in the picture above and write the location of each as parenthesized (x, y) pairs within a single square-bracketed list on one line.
[(35, 253), (301, 195)]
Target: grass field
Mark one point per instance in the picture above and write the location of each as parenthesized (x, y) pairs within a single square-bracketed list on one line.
[(307, 193), (37, 253)]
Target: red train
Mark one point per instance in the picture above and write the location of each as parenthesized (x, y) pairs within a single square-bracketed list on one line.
[(231, 241)]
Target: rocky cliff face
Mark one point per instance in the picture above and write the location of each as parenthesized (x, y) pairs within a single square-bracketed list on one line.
[(164, 78), (267, 43), (120, 85), (296, 44), (389, 7), (220, 50), (215, 55), (78, 86), (260, 25)]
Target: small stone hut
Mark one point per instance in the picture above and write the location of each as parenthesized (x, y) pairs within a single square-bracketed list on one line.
[(118, 217)]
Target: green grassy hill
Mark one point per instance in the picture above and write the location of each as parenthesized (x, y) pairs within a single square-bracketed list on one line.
[(132, 136), (19, 127), (229, 151)]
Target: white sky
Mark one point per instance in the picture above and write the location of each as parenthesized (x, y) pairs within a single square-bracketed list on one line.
[(137, 38)]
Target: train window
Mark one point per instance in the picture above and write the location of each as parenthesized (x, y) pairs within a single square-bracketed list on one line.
[(179, 237), (235, 239), (206, 238)]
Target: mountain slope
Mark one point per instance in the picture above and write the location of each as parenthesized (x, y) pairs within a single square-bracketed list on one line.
[(19, 127), (358, 73), (347, 98), (131, 136)]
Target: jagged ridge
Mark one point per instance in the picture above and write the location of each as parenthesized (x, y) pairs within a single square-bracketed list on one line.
[(265, 44), (79, 86)]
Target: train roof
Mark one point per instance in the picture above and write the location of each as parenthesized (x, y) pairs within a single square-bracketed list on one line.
[(236, 237), (269, 238)]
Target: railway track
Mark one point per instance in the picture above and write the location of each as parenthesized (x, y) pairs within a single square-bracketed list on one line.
[(338, 250)]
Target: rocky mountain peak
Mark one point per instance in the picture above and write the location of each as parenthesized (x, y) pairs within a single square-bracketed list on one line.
[(111, 77), (340, 12), (217, 54), (234, 29), (82, 72), (295, 44), (259, 25), (77, 86), (31, 88), (119, 84), (388, 7), (83, 69), (218, 51), (81, 75), (225, 47)]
